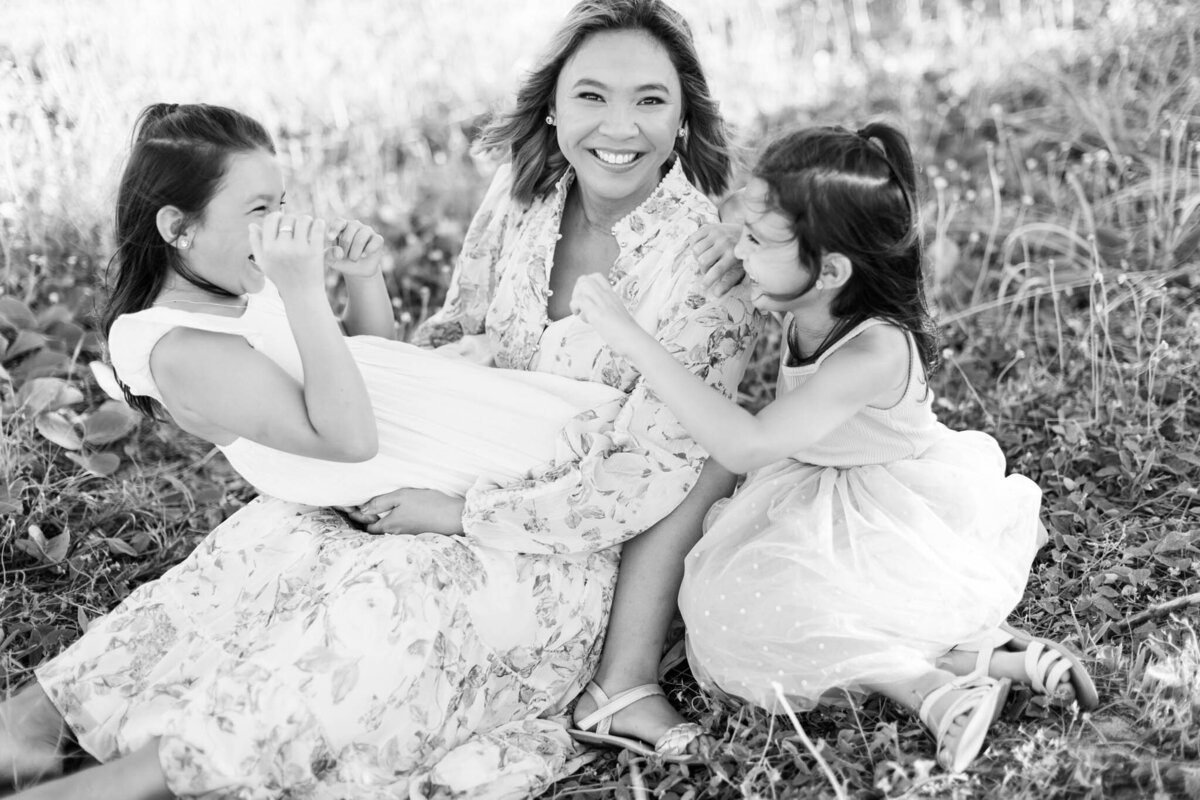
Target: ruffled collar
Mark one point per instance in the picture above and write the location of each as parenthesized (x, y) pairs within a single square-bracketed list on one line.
[(642, 222)]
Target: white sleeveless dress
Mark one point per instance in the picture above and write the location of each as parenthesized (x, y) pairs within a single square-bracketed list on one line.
[(443, 422), (861, 559)]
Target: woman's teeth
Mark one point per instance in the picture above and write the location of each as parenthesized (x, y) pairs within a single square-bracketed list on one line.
[(616, 159)]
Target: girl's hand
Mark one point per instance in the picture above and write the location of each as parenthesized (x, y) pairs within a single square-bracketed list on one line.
[(595, 302), (355, 249), (289, 250), (712, 246), (411, 511)]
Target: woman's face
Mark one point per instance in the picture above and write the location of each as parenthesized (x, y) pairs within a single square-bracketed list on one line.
[(618, 105), (220, 246)]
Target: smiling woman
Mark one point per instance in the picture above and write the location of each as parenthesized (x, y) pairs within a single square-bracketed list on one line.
[(258, 679), (618, 109)]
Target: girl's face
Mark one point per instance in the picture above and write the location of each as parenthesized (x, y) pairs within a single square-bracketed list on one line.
[(769, 254), (220, 248), (618, 105)]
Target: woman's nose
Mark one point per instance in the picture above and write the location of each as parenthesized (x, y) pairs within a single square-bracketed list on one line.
[(618, 122)]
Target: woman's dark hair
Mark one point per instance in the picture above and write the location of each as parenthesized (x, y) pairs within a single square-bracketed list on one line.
[(854, 193), (537, 161), (179, 157)]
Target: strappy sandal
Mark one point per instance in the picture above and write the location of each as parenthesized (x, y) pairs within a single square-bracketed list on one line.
[(1047, 664), (671, 747), (982, 699)]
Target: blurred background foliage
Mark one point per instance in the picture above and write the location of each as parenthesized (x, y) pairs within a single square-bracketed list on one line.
[(1059, 143)]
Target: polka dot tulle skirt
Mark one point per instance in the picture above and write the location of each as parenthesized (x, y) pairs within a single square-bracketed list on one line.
[(834, 582)]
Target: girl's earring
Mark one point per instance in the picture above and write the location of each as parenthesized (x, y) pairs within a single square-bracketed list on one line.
[(549, 119)]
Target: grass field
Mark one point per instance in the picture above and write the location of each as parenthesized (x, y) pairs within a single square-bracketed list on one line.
[(1060, 142)]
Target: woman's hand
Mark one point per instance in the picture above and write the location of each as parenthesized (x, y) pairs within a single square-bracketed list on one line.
[(355, 249), (595, 302), (712, 246), (288, 249), (411, 511)]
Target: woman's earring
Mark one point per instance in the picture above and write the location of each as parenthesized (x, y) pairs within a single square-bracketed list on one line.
[(683, 131), (549, 119), (818, 285), (184, 242)]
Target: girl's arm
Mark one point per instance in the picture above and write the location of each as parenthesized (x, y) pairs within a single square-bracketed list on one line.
[(611, 482), (357, 252), (217, 383), (862, 371)]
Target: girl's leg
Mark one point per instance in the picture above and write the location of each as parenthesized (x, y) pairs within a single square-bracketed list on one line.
[(32, 733), (644, 604), (137, 776)]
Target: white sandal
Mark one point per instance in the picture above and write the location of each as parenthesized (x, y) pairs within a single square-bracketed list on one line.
[(982, 698), (671, 747), (1048, 664)]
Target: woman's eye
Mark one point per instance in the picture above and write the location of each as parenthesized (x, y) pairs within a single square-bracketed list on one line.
[(589, 96), (651, 101)]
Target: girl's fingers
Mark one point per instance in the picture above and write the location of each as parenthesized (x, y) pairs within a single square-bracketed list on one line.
[(359, 242), (374, 244), (287, 228), (301, 228), (333, 230), (316, 232), (270, 226)]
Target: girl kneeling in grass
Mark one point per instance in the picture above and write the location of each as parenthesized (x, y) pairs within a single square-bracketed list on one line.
[(868, 539)]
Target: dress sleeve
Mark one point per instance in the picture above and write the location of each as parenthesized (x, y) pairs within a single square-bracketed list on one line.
[(474, 278), (610, 483)]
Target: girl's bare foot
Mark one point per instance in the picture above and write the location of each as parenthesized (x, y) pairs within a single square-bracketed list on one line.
[(31, 737)]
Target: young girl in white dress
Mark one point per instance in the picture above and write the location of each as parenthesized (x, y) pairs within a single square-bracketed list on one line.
[(219, 313), (868, 539)]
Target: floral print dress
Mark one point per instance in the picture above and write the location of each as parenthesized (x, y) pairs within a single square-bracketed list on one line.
[(292, 655)]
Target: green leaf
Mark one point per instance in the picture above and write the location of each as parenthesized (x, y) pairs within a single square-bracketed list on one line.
[(110, 422), (119, 546), (99, 464), (47, 394), (53, 550), (15, 314), (56, 428), (26, 342)]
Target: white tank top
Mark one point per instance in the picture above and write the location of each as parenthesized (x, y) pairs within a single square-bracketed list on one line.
[(873, 435)]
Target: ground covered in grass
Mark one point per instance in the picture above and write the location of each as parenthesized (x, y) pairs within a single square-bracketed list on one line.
[(1060, 142)]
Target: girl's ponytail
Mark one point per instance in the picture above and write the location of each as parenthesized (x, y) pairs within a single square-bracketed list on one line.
[(855, 193)]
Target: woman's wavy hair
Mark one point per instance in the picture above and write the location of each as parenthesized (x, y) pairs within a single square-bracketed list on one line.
[(537, 161), (178, 158), (855, 193)]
